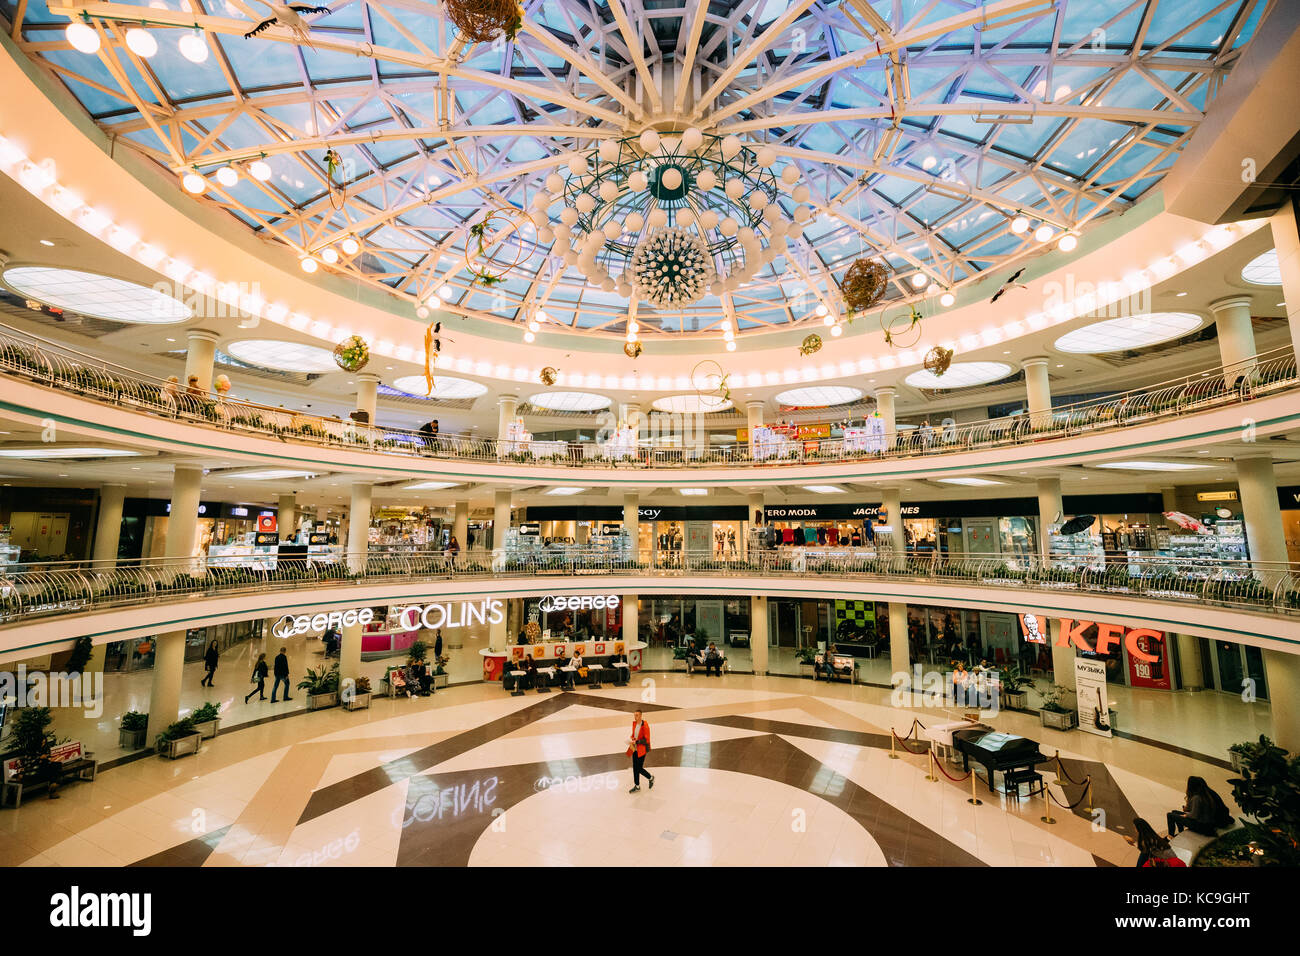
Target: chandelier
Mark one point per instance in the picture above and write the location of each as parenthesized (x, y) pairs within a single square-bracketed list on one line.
[(672, 218)]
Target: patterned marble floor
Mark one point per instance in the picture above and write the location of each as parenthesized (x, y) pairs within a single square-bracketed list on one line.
[(748, 771)]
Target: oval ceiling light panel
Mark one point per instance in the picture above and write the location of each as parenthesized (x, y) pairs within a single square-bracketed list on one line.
[(96, 296), (960, 375), (1127, 332)]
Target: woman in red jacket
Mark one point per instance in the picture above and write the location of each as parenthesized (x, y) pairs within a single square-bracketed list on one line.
[(638, 745)]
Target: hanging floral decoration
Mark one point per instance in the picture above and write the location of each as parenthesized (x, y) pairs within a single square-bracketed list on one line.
[(352, 354), (710, 383), (902, 331), (482, 21), (864, 284), (632, 349), (487, 257), (432, 346), (334, 177), (533, 630), (937, 360), (549, 375), (222, 384), (671, 268), (810, 344)]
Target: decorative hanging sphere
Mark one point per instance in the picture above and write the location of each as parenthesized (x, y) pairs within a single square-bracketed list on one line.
[(649, 141), (734, 188), (685, 217), (692, 139), (937, 360), (608, 190), (802, 213), (569, 216), (352, 354), (555, 182), (632, 349), (758, 200), (545, 234), (671, 268), (658, 218), (766, 157), (730, 146), (634, 222), (612, 230), (638, 182), (609, 150), (706, 180), (801, 193), (549, 375), (810, 344), (708, 219), (671, 178), (790, 175), (728, 226), (578, 165), (585, 203), (864, 284)]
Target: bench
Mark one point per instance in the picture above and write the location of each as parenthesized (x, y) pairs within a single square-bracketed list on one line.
[(693, 663), (1187, 844), (73, 763), (840, 664)]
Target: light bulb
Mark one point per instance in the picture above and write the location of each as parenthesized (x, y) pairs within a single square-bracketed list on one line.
[(766, 157), (631, 336), (1020, 225), (350, 246), (528, 336), (633, 327), (822, 310), (1068, 243), (83, 37), (533, 326), (194, 183), (918, 280), (227, 176), (446, 293), (259, 170), (731, 346), (578, 164), (670, 178), (828, 321), (1044, 233), (193, 47), (685, 217), (790, 175), (730, 146), (692, 138), (542, 316), (141, 42), (309, 265), (947, 299), (421, 311), (330, 255), (649, 141), (706, 180), (638, 181), (836, 331), (609, 150)]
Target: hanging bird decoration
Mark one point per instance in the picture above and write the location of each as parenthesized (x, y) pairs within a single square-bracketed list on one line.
[(1009, 284), (549, 375), (288, 15), (632, 349), (810, 344), (937, 360), (432, 346)]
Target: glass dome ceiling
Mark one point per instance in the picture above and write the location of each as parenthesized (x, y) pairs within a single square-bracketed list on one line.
[(920, 133)]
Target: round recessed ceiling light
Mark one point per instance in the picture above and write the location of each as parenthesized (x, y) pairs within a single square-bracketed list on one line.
[(569, 401), (818, 396), (1263, 269), (283, 356), (193, 47), (960, 375), (83, 37), (443, 387), (96, 296), (141, 42), (1127, 332), (692, 404)]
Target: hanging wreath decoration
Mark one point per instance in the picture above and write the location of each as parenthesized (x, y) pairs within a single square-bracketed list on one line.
[(549, 375), (632, 349), (864, 284), (352, 354), (710, 381), (491, 236), (902, 331), (937, 360), (334, 178), (482, 21), (810, 344)]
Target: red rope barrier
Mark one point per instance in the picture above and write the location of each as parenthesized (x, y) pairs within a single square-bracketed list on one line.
[(964, 776), (902, 744), (1069, 806), (1065, 773)]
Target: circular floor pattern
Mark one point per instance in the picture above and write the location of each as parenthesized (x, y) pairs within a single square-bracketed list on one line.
[(692, 817)]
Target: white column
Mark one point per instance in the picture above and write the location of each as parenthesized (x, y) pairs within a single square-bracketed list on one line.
[(1062, 662), (200, 351), (506, 405), (1236, 336), (632, 519), (367, 394), (359, 526), (1265, 538), (900, 654), (169, 649), (1286, 240), (1169, 499), (1050, 504), (1039, 390), (631, 609), (460, 524), (1282, 671), (498, 634), (286, 517), (629, 413), (754, 419), (885, 405), (758, 636), (349, 655), (108, 526), (1189, 662)]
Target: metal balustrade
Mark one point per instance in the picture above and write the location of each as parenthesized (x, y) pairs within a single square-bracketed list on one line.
[(57, 366), (73, 587)]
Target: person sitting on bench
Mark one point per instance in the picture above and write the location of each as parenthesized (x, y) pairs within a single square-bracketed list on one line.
[(567, 677), (828, 661), (712, 660), (532, 679)]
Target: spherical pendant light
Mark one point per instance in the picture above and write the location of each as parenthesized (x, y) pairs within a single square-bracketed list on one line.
[(193, 47), (634, 222), (671, 178), (658, 218), (578, 165), (649, 141), (708, 219), (730, 146), (638, 181), (608, 190), (555, 182), (608, 150), (194, 183), (766, 157), (734, 188), (692, 139), (685, 217), (801, 193), (227, 176), (706, 180), (83, 37), (259, 170), (141, 42), (585, 203), (790, 175)]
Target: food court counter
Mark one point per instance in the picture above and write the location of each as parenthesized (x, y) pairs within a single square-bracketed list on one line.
[(592, 651)]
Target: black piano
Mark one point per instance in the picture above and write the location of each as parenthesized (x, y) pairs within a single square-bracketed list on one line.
[(1004, 752)]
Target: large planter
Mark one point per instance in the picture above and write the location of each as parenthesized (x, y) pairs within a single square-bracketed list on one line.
[(1236, 761), (1059, 721), (358, 702), (208, 729), (1015, 699), (440, 680), (131, 739), (321, 701), (180, 746)]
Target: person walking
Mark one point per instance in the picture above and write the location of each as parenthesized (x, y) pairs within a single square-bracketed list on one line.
[(453, 549), (258, 678), (638, 745), (210, 659), (281, 675), (437, 648)]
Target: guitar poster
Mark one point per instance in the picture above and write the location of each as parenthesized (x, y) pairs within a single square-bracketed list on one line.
[(1090, 691)]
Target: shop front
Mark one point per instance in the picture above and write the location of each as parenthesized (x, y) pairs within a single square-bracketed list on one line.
[(226, 533), (663, 531)]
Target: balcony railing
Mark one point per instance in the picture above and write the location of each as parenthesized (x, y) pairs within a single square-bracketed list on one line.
[(46, 363), (76, 587)]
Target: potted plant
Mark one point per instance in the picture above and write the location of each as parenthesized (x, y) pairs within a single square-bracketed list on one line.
[(130, 735), (440, 677), (806, 656), (322, 687), (1268, 791), (178, 740), (1237, 753), (358, 696), (206, 720), (415, 653), (1015, 688), (32, 741), (1053, 713)]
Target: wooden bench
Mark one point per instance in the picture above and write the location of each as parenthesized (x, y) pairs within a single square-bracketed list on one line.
[(72, 761)]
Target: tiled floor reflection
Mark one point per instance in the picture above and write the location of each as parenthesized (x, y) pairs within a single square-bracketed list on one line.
[(749, 771)]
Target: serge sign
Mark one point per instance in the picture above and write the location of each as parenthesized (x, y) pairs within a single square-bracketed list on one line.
[(291, 625), (555, 602)]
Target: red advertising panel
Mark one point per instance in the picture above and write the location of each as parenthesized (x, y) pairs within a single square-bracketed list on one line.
[(1150, 673)]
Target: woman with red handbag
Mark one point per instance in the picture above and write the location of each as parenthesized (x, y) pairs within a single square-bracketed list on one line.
[(638, 745)]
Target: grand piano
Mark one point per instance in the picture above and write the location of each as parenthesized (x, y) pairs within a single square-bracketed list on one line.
[(1005, 752)]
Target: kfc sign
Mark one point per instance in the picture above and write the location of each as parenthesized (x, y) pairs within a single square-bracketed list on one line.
[(1135, 639)]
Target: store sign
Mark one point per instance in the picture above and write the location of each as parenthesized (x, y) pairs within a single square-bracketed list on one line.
[(266, 539), (530, 529), (833, 512), (292, 625), (608, 529), (553, 602), (1150, 673), (650, 514), (1072, 632), (452, 614), (318, 538), (266, 523), (1090, 691), (1033, 628), (1216, 496)]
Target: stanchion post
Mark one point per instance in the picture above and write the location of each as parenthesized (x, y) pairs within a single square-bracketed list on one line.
[(1089, 796), (931, 775), (892, 737), (1047, 799), (974, 799)]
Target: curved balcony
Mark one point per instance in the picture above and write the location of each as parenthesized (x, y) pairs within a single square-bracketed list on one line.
[(155, 412), (1249, 602)]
